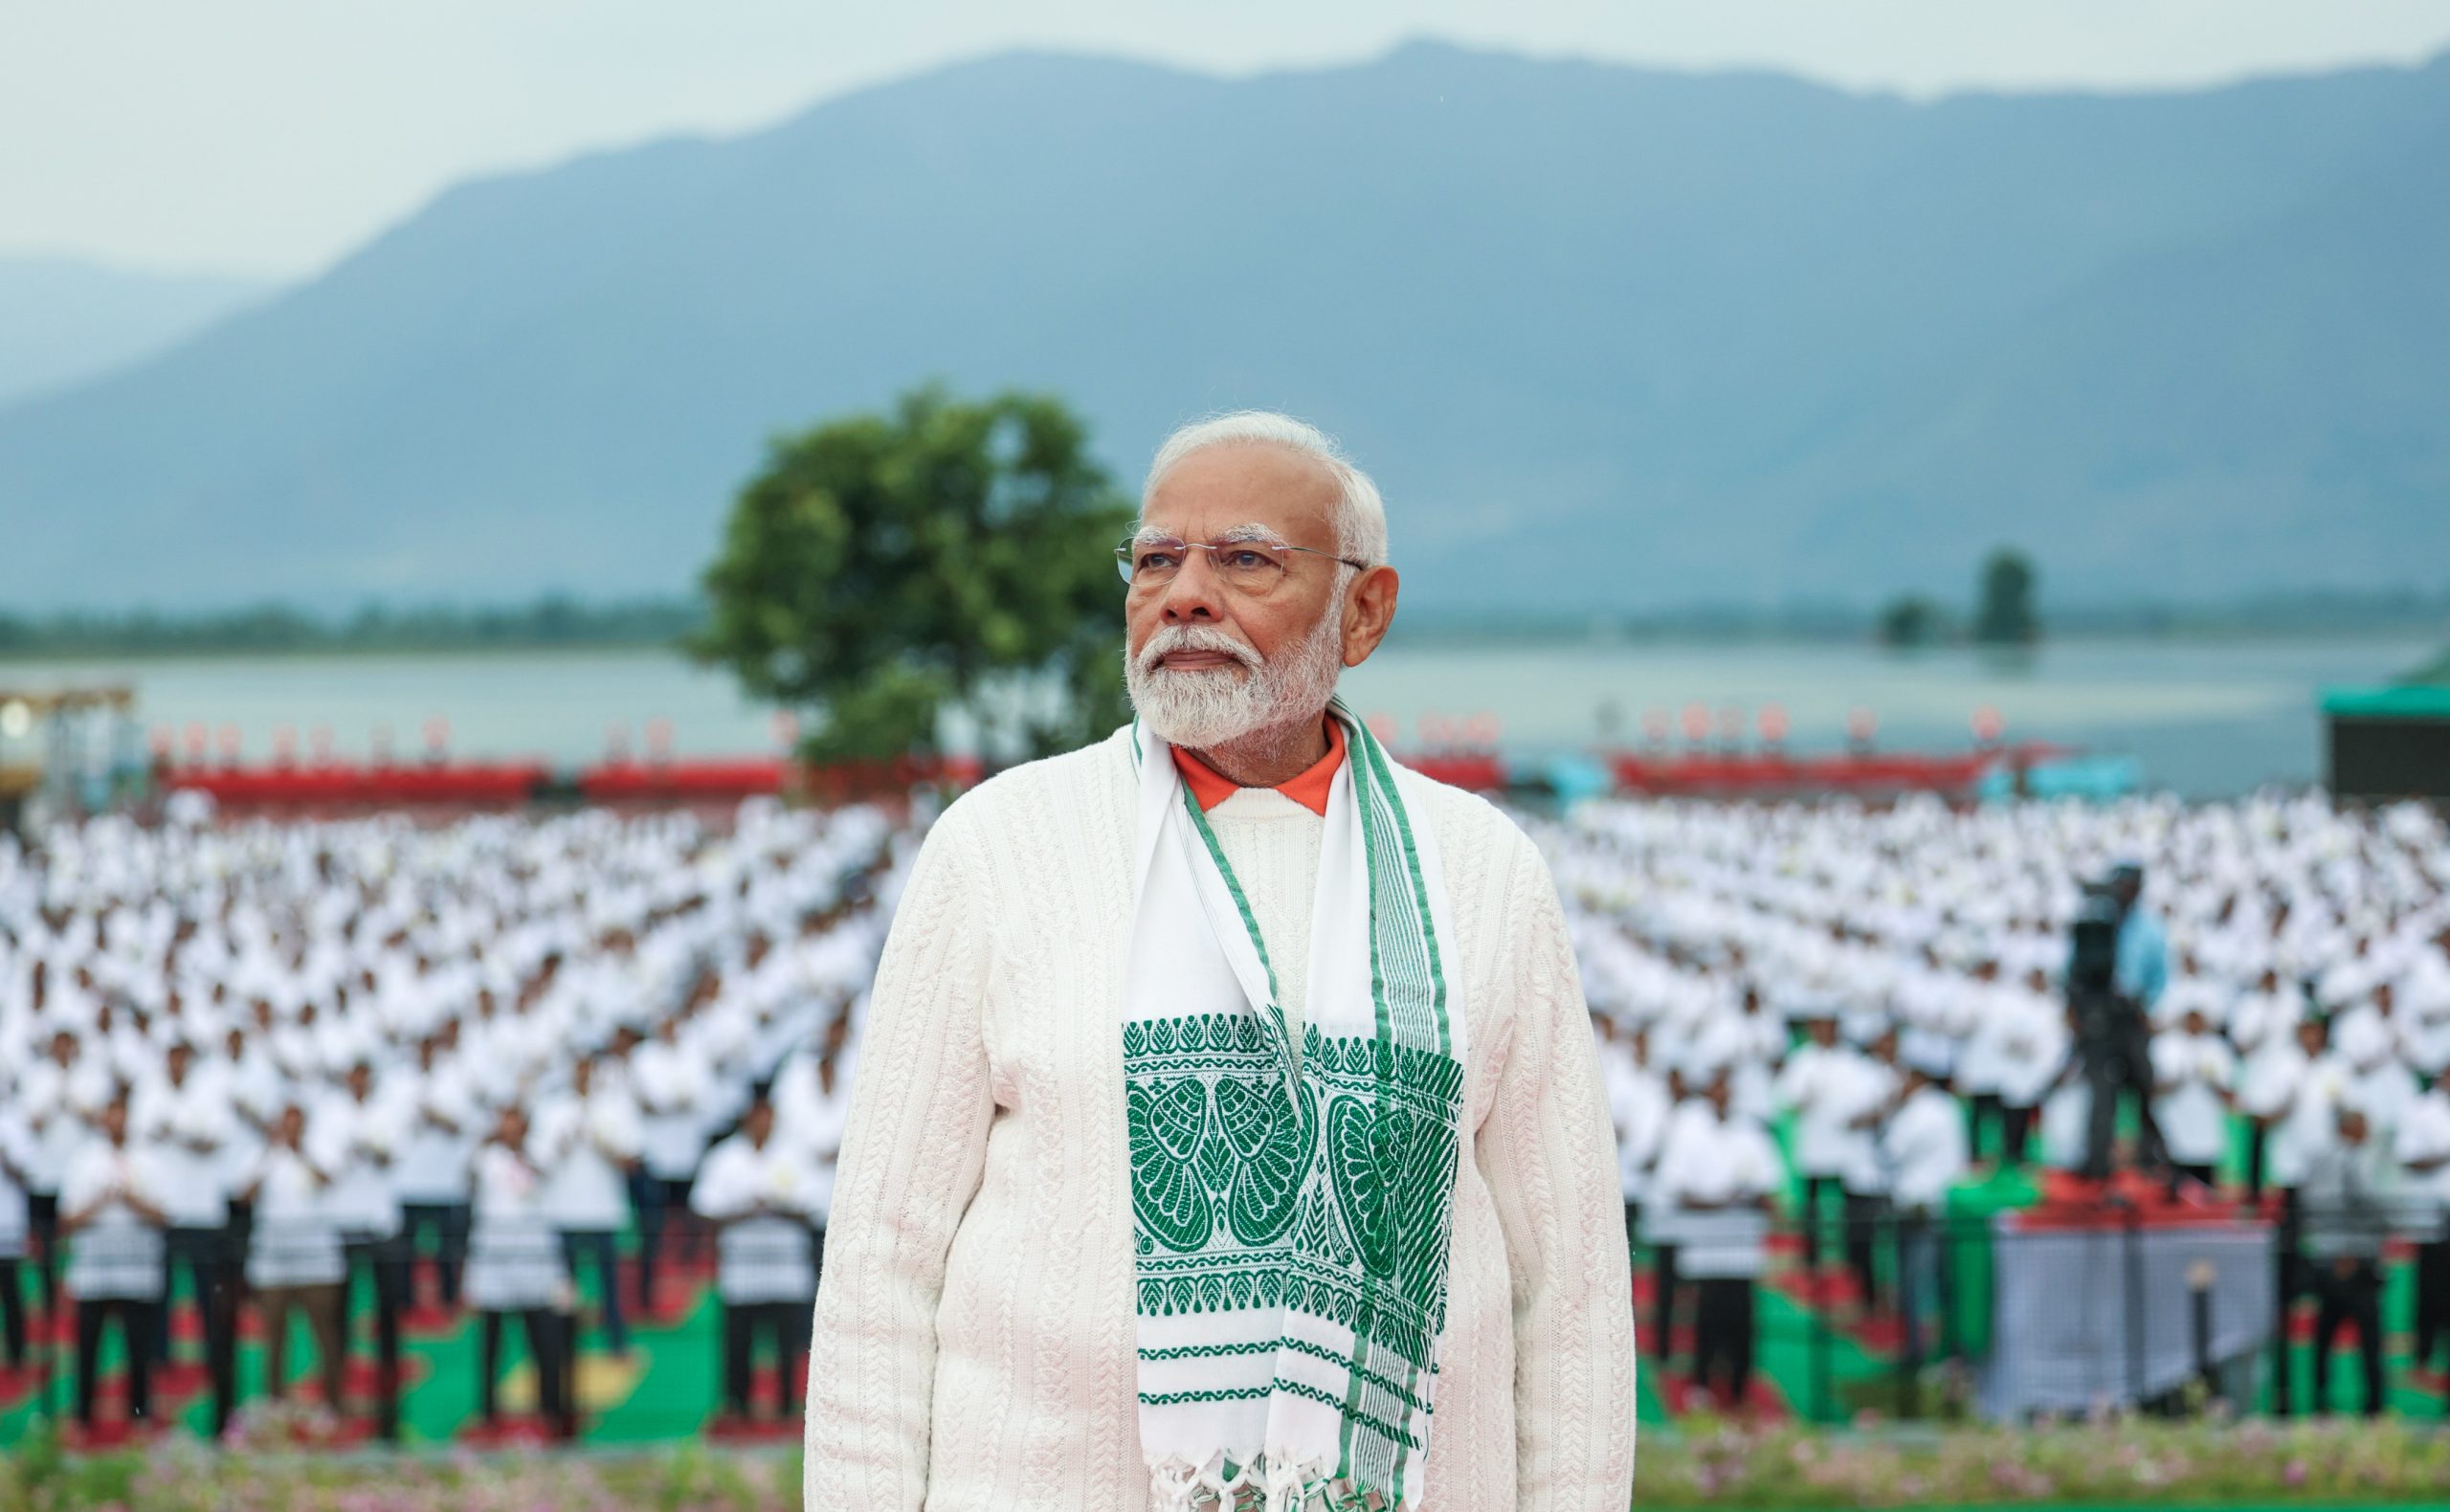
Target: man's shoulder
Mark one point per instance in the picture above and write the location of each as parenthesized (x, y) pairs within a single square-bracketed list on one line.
[(1069, 779), (1462, 816)]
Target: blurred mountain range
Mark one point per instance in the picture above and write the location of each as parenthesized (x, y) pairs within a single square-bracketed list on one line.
[(65, 321), (1609, 337)]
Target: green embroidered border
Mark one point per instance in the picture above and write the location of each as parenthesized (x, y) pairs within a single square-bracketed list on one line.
[(1242, 1394), (1411, 851), (1211, 1351), (1321, 1352)]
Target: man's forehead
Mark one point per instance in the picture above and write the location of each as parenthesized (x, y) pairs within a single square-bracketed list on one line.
[(1255, 488)]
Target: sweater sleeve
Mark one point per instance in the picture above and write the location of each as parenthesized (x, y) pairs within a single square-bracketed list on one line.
[(1546, 1151), (912, 1153)]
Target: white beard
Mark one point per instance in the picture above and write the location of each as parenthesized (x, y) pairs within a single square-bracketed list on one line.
[(1204, 707)]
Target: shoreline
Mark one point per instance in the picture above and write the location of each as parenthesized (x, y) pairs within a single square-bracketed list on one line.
[(1423, 636)]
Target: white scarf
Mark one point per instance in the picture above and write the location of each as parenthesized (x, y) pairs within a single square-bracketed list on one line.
[(1292, 1224)]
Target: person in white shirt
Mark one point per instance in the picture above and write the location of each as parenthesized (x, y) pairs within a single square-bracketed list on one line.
[(672, 1085), (2297, 1096), (1718, 1170), (110, 1206), (2262, 1026), (442, 1127), (1981, 1070), (589, 1137), (2349, 1199), (358, 1136), (812, 1094), (759, 1195), (515, 1268), (2306, 1120), (2195, 1076), (2266, 1093), (2032, 1047), (1869, 1090), (62, 1095), (1925, 1148), (182, 1119), (294, 1261), (252, 1082), (1818, 1085), (2372, 1039)]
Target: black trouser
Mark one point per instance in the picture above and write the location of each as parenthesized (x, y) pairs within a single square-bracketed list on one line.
[(2016, 1129), (2207, 1172), (743, 1322), (135, 1315), (2431, 1300), (655, 1200), (2120, 1062), (544, 1329), (599, 1245), (1864, 1212), (1722, 1337), (13, 1312), (2356, 1299), (2257, 1139), (206, 1256), (242, 1231), (42, 1228), (448, 1224), (382, 1263)]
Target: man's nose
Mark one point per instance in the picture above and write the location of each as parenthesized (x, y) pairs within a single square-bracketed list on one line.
[(1194, 595)]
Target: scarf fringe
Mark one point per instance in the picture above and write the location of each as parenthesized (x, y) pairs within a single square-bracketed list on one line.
[(1177, 1485)]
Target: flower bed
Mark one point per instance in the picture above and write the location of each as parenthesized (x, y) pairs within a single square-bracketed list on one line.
[(2102, 1464), (2111, 1462)]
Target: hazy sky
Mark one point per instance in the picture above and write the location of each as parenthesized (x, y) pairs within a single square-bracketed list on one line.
[(275, 135)]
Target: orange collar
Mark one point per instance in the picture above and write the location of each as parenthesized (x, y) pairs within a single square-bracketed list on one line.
[(1210, 788)]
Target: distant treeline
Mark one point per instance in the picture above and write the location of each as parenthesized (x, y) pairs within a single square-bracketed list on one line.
[(552, 621), (2292, 615)]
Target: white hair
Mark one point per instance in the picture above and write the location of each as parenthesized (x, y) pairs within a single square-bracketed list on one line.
[(1359, 514)]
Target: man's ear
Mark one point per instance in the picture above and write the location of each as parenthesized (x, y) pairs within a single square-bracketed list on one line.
[(1369, 610)]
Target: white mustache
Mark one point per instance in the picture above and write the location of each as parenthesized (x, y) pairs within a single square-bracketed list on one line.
[(1170, 638)]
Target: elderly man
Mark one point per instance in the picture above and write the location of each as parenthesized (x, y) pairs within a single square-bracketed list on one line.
[(1227, 1103)]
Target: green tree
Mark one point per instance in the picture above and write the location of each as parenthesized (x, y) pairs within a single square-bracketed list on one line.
[(2005, 615), (882, 570)]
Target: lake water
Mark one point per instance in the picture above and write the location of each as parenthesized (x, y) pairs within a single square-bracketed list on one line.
[(2200, 719)]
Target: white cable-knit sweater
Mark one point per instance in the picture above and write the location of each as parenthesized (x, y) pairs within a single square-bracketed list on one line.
[(974, 1328)]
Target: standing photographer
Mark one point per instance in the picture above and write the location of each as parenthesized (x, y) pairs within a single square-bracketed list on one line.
[(2117, 966)]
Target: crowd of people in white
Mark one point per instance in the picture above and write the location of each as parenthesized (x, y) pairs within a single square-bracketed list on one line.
[(290, 1060), (293, 1059), (1892, 981)]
